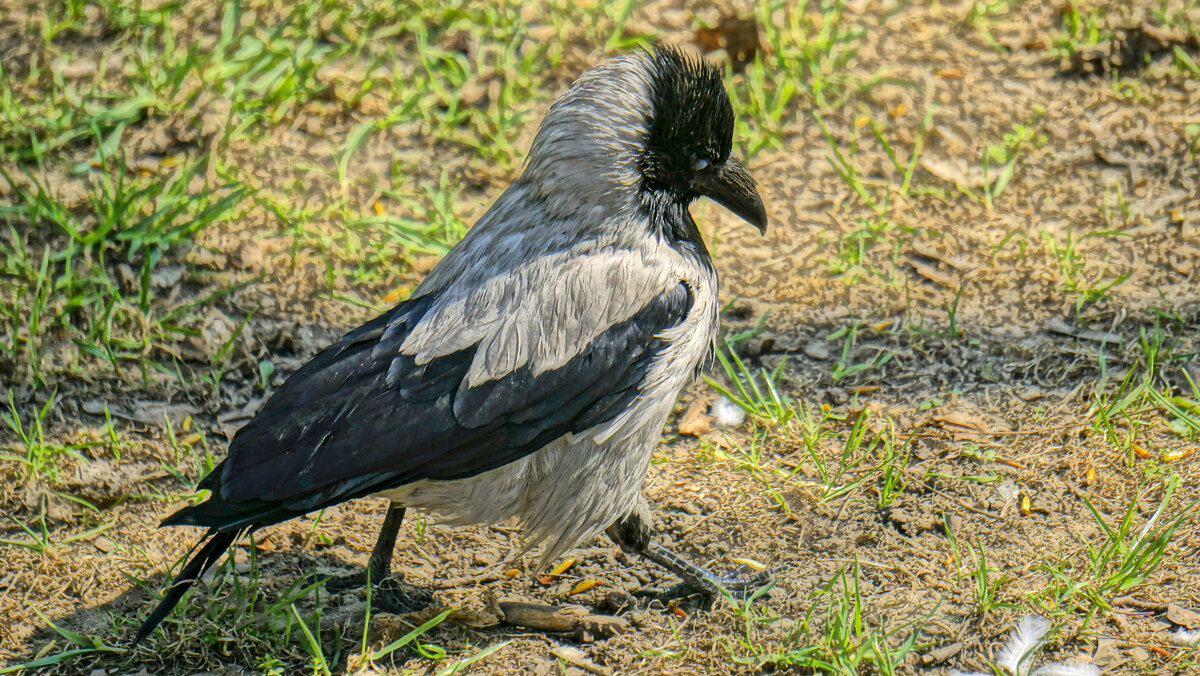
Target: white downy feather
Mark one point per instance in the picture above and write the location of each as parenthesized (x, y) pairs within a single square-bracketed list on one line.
[(1068, 669), (1185, 638), (1016, 656)]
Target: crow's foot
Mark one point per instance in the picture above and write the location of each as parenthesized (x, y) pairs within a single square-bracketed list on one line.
[(400, 598), (390, 594), (698, 580)]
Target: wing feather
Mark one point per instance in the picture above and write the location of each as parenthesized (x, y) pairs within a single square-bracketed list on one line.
[(363, 416)]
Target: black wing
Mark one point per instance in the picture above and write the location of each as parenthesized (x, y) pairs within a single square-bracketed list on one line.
[(360, 418)]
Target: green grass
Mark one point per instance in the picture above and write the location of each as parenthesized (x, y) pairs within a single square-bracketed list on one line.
[(1081, 28), (285, 627), (848, 451), (88, 277), (84, 646), (1079, 273), (833, 636), (265, 68), (465, 78), (38, 537), (876, 226), (1147, 399), (860, 458), (1000, 159), (843, 367), (96, 230), (983, 13), (35, 456), (1124, 557), (1086, 27)]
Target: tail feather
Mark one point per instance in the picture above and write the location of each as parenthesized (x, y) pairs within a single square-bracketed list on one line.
[(218, 542)]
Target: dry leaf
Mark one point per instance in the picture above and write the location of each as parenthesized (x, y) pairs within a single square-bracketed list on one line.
[(963, 426), (1183, 617), (750, 563), (395, 295), (556, 571), (933, 274), (738, 37), (583, 586), (1177, 454), (577, 657), (694, 422), (565, 619), (953, 171)]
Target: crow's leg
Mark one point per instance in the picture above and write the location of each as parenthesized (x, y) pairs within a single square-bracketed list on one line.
[(390, 594), (379, 567), (633, 534)]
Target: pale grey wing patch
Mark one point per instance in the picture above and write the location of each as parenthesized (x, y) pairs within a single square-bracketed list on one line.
[(541, 314), (502, 353)]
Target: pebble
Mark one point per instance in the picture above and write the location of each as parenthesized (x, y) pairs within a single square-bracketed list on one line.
[(250, 256), (817, 349), (166, 277), (77, 70)]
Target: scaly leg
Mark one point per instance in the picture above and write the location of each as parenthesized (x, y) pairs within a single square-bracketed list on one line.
[(633, 534), (390, 594), (380, 564)]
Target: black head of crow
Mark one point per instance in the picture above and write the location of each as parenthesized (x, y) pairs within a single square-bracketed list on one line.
[(530, 374)]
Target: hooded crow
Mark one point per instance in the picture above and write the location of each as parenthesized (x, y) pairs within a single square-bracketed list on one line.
[(531, 373)]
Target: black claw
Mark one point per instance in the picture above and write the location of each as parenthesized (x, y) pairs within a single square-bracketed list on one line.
[(341, 582)]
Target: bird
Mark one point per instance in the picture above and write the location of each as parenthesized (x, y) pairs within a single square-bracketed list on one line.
[(530, 374)]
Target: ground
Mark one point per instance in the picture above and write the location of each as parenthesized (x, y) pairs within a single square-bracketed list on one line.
[(965, 347)]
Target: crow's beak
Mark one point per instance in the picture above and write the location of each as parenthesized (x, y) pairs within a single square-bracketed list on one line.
[(732, 186)]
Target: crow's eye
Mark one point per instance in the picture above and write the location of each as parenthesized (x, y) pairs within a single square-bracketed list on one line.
[(701, 164)]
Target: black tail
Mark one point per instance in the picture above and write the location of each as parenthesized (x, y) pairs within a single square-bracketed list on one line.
[(212, 550)]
